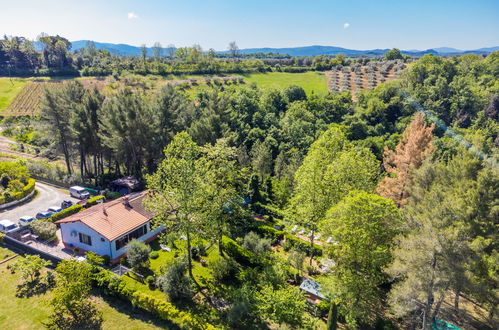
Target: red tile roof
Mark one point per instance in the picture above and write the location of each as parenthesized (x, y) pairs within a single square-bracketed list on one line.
[(115, 218)]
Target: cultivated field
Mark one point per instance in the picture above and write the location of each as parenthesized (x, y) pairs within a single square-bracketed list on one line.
[(356, 78), (9, 88)]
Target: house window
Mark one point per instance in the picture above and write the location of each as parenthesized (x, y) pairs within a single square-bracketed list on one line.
[(85, 239), (121, 242)]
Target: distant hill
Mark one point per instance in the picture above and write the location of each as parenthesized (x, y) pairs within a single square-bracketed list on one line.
[(124, 49)]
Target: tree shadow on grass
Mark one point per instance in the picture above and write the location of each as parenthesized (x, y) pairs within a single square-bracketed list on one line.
[(135, 313), (30, 289)]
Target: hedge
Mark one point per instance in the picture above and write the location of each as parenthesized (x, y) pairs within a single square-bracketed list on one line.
[(296, 242), (66, 212), (75, 208), (115, 286), (27, 189), (237, 252)]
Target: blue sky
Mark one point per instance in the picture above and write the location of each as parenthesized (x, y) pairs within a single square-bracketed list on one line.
[(358, 24)]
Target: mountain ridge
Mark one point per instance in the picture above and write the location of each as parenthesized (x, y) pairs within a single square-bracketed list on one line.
[(313, 50)]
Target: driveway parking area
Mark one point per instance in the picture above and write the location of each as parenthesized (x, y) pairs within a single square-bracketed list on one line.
[(47, 196)]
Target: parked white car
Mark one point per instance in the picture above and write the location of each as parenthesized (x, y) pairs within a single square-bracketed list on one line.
[(79, 192), (7, 226), (26, 220), (54, 209)]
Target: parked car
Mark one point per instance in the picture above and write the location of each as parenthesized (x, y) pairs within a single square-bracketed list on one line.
[(66, 204), (7, 226), (79, 192), (43, 215), (54, 209), (25, 220)]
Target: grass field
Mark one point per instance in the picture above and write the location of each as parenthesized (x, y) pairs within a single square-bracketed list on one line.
[(30, 313), (315, 82), (9, 89)]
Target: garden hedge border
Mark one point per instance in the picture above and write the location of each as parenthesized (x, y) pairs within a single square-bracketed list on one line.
[(115, 286), (27, 189), (296, 242), (76, 208)]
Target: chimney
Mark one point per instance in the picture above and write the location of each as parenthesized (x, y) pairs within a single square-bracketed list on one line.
[(126, 201), (104, 210)]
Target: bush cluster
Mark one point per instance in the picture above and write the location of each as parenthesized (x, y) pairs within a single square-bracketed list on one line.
[(26, 190), (237, 252), (115, 286)]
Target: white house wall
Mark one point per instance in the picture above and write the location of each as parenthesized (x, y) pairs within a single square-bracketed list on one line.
[(148, 235), (100, 244)]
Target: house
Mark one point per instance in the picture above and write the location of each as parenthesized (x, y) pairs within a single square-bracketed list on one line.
[(312, 291), (106, 228)]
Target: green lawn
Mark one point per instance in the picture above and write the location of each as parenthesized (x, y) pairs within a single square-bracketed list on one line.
[(311, 81), (29, 313), (5, 253), (9, 89), (201, 273)]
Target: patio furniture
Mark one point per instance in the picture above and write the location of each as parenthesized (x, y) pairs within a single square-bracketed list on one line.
[(165, 248)]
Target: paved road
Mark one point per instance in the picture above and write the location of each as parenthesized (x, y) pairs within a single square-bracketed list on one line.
[(47, 196)]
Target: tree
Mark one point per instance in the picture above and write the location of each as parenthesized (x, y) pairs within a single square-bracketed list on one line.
[(234, 50), (284, 305), (71, 303), (393, 54), (409, 154), (174, 197), (296, 260), (29, 267), (332, 168), (220, 201), (256, 244), (364, 225), (56, 109), (174, 283), (171, 50), (294, 93), (137, 253), (143, 55), (157, 51), (448, 241)]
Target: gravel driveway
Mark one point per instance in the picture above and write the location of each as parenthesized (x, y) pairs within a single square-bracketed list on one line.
[(47, 196)]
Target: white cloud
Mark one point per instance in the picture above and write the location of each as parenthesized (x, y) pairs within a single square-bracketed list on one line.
[(132, 15), (345, 26)]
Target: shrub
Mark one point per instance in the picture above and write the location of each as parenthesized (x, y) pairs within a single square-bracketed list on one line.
[(224, 270), (150, 281), (175, 283), (45, 230), (195, 253), (166, 311), (2, 236), (302, 245), (154, 255), (137, 253), (106, 259), (274, 234), (235, 251), (94, 200), (256, 244), (110, 195), (202, 250)]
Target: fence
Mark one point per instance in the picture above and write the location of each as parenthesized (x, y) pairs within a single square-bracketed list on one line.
[(26, 248)]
